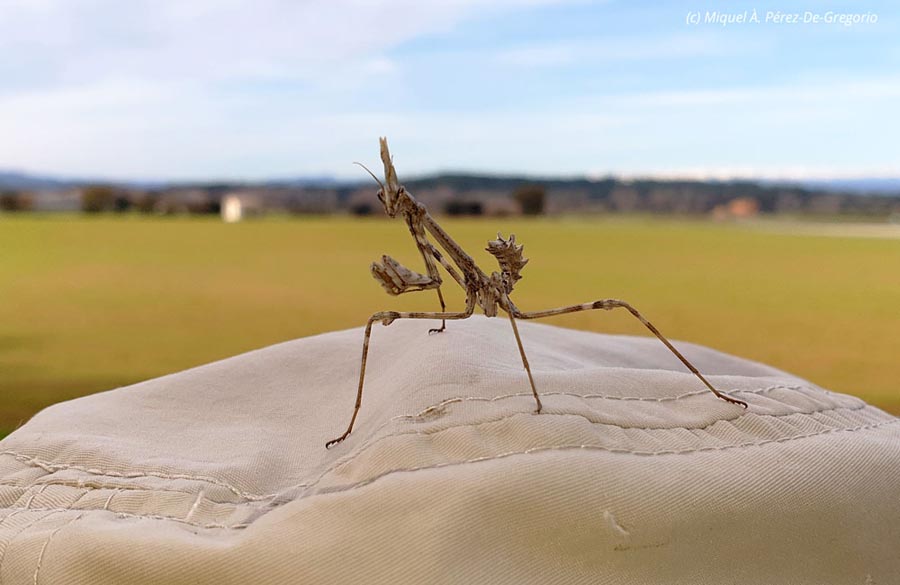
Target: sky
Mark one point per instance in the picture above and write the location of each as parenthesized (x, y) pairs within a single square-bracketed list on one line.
[(221, 89)]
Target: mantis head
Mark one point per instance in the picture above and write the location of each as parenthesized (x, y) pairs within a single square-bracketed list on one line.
[(389, 193)]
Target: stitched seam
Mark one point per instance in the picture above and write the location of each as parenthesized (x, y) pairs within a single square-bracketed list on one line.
[(350, 458), (19, 532), (99, 485), (197, 501), (40, 560), (130, 515), (89, 485), (15, 513), (194, 507), (52, 467), (533, 450), (34, 495), (609, 397), (636, 428), (110, 499), (367, 481), (448, 401), (71, 505)]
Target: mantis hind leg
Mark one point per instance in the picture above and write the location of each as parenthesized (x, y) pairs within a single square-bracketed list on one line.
[(534, 391), (610, 304)]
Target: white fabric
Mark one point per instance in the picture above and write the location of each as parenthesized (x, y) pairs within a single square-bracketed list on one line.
[(633, 474)]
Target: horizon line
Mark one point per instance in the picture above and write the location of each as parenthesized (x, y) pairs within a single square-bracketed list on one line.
[(689, 174)]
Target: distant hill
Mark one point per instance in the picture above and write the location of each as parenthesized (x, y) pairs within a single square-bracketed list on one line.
[(875, 186), (20, 181), (321, 181), (23, 181), (15, 180), (489, 194)]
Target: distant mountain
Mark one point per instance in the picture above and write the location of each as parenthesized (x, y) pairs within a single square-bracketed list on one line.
[(15, 180), (23, 181), (880, 186), (311, 181), (863, 186)]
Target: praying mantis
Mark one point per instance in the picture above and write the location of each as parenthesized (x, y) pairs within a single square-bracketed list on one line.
[(491, 293)]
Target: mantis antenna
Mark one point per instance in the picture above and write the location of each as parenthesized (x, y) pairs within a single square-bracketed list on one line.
[(365, 168)]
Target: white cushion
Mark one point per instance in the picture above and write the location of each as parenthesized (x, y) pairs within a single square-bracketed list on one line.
[(634, 473)]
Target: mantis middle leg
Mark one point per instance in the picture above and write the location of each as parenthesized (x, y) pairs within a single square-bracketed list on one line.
[(608, 305)]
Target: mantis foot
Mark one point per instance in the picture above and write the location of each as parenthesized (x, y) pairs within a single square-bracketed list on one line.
[(440, 330), (333, 442), (733, 400)]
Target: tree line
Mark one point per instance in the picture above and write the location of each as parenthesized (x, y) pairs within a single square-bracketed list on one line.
[(479, 195)]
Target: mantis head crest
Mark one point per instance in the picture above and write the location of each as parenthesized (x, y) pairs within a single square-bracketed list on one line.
[(510, 258)]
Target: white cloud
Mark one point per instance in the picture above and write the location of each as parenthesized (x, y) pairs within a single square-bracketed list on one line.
[(208, 89), (827, 90), (642, 48), (188, 88), (223, 39), (129, 129), (771, 172)]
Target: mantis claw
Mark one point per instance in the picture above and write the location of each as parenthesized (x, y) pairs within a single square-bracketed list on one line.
[(740, 403), (333, 442)]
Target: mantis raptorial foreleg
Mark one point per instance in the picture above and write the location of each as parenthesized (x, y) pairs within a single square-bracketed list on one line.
[(388, 317), (608, 305)]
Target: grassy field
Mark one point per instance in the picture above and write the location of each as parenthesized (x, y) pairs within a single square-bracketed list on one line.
[(88, 304)]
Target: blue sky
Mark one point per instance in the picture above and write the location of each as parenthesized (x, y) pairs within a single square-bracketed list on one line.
[(244, 90)]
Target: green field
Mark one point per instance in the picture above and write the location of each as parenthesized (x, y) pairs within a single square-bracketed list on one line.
[(88, 304)]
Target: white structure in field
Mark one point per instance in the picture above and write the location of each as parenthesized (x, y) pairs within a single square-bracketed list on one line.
[(232, 210), (239, 206)]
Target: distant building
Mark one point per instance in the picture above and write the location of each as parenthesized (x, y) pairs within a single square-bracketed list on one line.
[(739, 208), (743, 207), (57, 200), (501, 207), (232, 210), (238, 206), (182, 200)]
